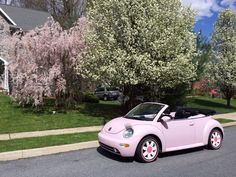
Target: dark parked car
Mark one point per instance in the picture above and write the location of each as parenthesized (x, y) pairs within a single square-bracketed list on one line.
[(111, 93)]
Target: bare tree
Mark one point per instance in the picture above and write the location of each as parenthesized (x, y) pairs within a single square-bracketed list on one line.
[(4, 1), (66, 12), (34, 4), (11, 2)]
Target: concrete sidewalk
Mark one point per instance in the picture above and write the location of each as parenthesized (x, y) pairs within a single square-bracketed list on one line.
[(231, 116), (11, 136)]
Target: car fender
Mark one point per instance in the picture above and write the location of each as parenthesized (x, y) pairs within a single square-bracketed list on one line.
[(142, 131), (210, 125)]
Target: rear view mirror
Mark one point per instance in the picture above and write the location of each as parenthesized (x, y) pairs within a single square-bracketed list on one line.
[(166, 118)]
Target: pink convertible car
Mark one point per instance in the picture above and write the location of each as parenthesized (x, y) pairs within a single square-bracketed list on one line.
[(150, 128)]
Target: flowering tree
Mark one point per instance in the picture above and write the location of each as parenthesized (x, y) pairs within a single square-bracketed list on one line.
[(147, 42), (45, 62), (223, 67), (203, 55)]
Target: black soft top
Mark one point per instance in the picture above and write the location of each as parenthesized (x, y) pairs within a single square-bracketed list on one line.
[(188, 112)]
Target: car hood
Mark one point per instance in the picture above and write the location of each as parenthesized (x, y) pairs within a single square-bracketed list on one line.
[(119, 124)]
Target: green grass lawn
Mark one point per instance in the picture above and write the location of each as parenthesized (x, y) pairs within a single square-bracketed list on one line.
[(38, 142), (30, 143), (217, 104), (14, 119), (223, 121)]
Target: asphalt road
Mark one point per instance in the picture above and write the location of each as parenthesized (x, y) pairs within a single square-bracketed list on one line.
[(97, 163)]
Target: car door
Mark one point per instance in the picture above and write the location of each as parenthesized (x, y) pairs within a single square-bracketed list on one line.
[(179, 133)]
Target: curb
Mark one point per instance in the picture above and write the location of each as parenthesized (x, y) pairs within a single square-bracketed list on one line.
[(11, 136), (21, 154), (28, 153)]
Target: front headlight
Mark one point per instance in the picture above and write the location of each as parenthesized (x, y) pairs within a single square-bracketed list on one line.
[(128, 133)]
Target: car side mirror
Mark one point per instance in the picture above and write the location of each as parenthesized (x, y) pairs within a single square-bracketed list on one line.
[(166, 118)]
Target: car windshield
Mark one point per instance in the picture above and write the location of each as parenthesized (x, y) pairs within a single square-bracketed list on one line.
[(144, 111)]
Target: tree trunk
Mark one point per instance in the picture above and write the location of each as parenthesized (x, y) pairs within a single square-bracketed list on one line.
[(130, 92), (228, 91), (228, 102)]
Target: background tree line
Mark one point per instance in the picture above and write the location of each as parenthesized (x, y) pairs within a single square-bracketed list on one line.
[(143, 46)]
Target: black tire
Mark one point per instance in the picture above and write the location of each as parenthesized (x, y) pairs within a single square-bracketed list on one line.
[(215, 139), (105, 98), (152, 150)]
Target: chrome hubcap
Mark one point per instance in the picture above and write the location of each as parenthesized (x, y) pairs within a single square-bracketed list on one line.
[(215, 139), (149, 150)]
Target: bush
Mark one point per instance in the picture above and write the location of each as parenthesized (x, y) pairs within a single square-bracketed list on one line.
[(49, 101), (90, 98)]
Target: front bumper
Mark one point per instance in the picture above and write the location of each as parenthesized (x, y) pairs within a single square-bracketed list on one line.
[(112, 143)]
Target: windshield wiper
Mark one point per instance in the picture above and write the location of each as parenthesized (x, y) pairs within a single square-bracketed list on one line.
[(142, 118)]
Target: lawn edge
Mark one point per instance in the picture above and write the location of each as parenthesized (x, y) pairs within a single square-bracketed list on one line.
[(12, 136), (29, 153), (36, 152)]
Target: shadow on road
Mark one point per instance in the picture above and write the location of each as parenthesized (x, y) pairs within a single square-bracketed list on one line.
[(132, 159), (114, 157), (180, 152)]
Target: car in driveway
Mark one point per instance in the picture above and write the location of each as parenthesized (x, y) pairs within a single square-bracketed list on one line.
[(107, 93), (150, 128)]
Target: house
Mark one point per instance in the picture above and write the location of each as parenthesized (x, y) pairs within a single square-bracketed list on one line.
[(13, 19)]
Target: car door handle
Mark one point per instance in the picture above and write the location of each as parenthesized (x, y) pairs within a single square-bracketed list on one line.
[(191, 124)]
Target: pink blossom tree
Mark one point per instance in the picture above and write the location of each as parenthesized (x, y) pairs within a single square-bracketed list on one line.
[(45, 63)]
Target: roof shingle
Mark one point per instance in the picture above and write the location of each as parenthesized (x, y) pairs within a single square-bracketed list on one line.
[(26, 19)]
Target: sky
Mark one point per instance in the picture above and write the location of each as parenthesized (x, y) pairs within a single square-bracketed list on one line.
[(207, 12)]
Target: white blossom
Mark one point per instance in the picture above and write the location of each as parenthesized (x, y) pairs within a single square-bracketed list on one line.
[(222, 69), (142, 41)]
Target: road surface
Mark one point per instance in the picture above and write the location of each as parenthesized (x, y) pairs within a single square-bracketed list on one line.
[(97, 163)]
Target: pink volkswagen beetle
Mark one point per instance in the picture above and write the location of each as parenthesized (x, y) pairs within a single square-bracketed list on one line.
[(150, 128)]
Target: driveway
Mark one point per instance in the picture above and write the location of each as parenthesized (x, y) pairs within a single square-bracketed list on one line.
[(197, 162)]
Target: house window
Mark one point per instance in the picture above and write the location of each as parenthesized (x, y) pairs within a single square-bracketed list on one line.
[(2, 68), (1, 26)]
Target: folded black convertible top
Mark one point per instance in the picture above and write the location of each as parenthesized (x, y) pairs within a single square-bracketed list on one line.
[(195, 111)]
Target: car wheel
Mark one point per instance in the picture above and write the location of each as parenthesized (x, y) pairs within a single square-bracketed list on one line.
[(215, 139), (105, 98), (147, 150)]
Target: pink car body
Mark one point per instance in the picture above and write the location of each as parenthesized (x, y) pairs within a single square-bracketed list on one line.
[(171, 134)]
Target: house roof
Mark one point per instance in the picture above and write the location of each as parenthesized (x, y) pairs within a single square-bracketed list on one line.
[(23, 18)]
